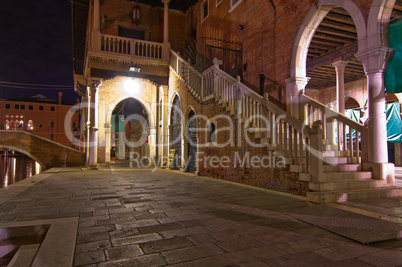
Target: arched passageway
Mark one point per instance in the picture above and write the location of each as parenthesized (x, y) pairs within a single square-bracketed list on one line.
[(130, 131), (176, 132)]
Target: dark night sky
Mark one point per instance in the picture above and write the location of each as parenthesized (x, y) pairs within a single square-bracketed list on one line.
[(36, 47)]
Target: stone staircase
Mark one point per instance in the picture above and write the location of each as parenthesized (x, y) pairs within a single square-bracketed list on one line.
[(342, 181), (334, 172)]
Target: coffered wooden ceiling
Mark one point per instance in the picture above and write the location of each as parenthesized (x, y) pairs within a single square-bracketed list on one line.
[(336, 38)]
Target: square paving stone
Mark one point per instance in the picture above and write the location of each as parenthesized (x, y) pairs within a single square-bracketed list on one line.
[(123, 252), (191, 253), (137, 239), (89, 257), (166, 244), (153, 260)]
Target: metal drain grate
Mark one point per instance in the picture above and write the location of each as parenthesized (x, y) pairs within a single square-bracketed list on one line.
[(355, 226)]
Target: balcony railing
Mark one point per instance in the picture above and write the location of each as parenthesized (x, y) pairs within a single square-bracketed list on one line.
[(132, 47)]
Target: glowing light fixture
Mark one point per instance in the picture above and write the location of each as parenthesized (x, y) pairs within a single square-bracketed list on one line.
[(131, 86), (134, 69)]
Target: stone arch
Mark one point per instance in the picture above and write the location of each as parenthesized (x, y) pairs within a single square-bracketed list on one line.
[(112, 106), (378, 20), (390, 97), (23, 151), (309, 26), (351, 102), (190, 140), (147, 107)]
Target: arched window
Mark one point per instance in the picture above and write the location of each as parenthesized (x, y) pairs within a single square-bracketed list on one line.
[(7, 125), (21, 125), (211, 132), (30, 126), (16, 124), (51, 125)]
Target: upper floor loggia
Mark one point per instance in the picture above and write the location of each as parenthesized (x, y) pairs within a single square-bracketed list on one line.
[(124, 37)]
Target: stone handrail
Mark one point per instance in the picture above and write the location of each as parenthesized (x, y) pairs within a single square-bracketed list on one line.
[(129, 46), (276, 128), (331, 119)]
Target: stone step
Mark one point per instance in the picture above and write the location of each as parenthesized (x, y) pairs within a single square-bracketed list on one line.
[(349, 195), (350, 184), (335, 160), (340, 175), (343, 168), (335, 153)]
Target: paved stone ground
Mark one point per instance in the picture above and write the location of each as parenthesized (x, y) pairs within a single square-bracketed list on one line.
[(144, 218)]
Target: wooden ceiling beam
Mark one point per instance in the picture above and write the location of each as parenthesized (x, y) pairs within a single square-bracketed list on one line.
[(338, 54), (334, 37), (340, 17), (338, 25), (318, 40), (337, 32)]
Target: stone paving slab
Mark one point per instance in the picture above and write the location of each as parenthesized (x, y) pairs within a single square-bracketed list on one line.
[(136, 217)]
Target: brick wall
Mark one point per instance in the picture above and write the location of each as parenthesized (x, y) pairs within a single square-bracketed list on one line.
[(270, 29)]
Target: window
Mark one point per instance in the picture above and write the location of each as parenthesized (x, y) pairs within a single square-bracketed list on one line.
[(52, 109), (52, 126), (40, 107), (21, 125), (211, 133), (234, 4), (22, 106), (17, 106), (30, 107), (204, 10), (7, 106)]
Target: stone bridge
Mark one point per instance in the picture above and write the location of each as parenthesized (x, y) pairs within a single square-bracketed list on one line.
[(47, 153)]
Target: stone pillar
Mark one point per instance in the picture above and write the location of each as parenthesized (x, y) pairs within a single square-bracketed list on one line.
[(93, 126), (96, 35), (294, 86), (87, 126), (374, 62), (166, 44), (165, 121), (340, 84)]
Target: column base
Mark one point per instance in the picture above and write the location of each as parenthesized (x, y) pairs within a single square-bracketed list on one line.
[(93, 167), (381, 171)]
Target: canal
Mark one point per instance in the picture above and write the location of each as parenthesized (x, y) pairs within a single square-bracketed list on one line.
[(15, 166)]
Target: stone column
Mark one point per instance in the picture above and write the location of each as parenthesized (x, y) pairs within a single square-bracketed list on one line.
[(93, 126), (374, 62), (340, 84), (165, 123), (96, 35), (294, 86), (166, 44), (87, 126)]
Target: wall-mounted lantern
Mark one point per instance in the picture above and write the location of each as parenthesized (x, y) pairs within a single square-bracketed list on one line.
[(136, 14)]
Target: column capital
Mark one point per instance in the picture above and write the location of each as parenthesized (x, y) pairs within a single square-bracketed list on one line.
[(296, 82), (94, 83), (340, 65), (166, 2), (375, 60)]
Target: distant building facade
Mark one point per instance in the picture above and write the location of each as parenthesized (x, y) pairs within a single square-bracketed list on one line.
[(41, 116)]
